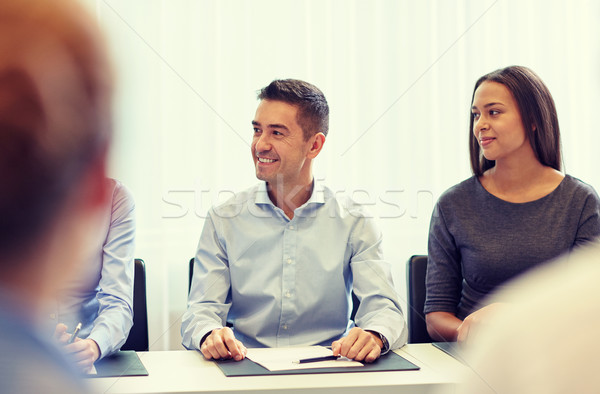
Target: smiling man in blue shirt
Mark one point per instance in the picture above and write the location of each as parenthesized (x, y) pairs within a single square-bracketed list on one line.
[(278, 262)]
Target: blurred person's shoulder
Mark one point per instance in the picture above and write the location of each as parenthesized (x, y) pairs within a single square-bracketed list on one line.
[(544, 341), (28, 364)]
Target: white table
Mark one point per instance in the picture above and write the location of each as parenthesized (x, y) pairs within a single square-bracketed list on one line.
[(183, 371)]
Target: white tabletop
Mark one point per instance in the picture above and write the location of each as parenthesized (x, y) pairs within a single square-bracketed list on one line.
[(183, 371)]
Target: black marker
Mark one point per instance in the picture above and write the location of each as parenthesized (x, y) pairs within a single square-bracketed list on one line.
[(317, 359)]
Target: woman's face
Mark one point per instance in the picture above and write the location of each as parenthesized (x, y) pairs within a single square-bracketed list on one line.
[(497, 123)]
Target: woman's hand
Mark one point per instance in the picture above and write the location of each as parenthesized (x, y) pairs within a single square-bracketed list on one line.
[(475, 320)]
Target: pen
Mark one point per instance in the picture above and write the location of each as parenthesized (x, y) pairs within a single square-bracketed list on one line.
[(317, 359), (74, 335)]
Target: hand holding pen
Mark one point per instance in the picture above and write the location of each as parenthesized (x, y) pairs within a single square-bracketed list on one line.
[(61, 335), (83, 352), (74, 335)]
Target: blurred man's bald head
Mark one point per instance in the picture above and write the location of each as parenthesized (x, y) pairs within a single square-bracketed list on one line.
[(55, 129), (55, 121)]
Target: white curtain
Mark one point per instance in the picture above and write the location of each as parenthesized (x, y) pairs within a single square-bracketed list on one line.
[(398, 76)]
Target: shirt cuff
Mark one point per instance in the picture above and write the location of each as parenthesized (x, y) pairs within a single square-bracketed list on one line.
[(204, 338), (103, 344)]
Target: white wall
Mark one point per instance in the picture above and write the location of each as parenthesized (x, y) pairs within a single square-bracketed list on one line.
[(398, 76)]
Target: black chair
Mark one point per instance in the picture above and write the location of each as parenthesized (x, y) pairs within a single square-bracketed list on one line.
[(191, 274), (355, 301), (416, 269), (138, 336)]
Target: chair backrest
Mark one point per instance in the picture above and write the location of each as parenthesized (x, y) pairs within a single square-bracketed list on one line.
[(355, 304), (416, 269), (138, 336), (191, 273)]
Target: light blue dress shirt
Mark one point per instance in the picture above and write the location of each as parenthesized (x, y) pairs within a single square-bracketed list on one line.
[(101, 297), (282, 282)]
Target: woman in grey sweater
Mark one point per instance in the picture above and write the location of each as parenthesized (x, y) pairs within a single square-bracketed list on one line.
[(517, 211)]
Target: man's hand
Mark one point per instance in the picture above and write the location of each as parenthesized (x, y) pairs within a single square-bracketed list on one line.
[(60, 333), (476, 319), (358, 345), (84, 352), (221, 343)]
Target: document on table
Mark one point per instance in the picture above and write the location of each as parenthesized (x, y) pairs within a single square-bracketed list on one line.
[(286, 358), (92, 371)]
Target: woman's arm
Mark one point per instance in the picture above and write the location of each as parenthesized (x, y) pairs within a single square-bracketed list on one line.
[(443, 280), (442, 326)]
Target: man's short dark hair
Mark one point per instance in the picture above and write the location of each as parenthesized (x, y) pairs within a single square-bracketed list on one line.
[(313, 111)]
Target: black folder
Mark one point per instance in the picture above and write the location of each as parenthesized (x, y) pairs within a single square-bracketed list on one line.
[(451, 348), (388, 362), (122, 363)]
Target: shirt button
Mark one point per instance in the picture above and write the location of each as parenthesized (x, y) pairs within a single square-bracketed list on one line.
[(291, 227), (289, 261), (285, 326), (288, 294)]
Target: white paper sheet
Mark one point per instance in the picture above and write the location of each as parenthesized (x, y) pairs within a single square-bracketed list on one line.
[(92, 371), (286, 358)]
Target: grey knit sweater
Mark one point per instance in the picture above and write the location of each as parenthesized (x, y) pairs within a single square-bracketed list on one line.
[(478, 241)]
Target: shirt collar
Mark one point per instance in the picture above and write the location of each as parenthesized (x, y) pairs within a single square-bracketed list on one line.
[(317, 196)]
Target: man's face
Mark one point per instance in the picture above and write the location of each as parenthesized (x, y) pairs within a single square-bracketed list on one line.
[(278, 147)]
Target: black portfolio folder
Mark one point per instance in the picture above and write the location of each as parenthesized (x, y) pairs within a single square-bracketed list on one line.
[(122, 363), (388, 362)]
